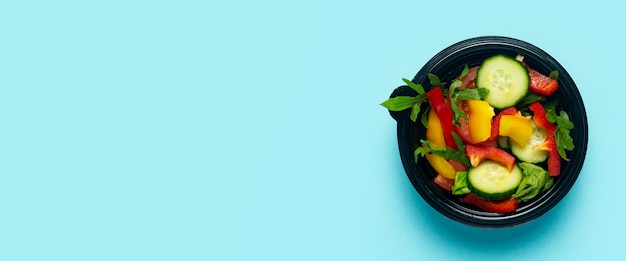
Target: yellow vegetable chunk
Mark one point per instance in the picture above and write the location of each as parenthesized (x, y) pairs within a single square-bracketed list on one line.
[(441, 165), (479, 120), (434, 132), (516, 127)]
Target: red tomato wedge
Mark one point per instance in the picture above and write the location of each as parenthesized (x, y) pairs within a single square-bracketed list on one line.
[(542, 84), (444, 182), (469, 81)]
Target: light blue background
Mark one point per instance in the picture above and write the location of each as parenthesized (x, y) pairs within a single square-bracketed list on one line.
[(251, 130)]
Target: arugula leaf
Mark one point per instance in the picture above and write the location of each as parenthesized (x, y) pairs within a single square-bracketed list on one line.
[(454, 103), (434, 80), (464, 72), (425, 117), (400, 103), (535, 181), (444, 152), (528, 99), (472, 94), (460, 184), (419, 152), (562, 135), (417, 87), (465, 94), (554, 75), (415, 111), (563, 125), (458, 142)]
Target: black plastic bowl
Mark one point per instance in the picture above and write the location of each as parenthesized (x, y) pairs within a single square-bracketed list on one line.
[(447, 64)]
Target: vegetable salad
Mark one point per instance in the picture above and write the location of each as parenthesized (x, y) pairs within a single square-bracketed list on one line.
[(494, 135)]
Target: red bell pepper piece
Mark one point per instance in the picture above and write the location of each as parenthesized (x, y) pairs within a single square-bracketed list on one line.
[(502, 207), (541, 84), (444, 113), (554, 158), (477, 154), (495, 124)]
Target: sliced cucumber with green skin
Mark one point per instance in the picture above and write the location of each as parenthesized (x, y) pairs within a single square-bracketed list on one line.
[(493, 181), (528, 152), (506, 79)]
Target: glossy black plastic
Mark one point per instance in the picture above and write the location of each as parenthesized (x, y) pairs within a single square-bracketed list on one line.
[(447, 64)]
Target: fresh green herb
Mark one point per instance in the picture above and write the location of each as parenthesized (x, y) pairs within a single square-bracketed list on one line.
[(465, 94), (562, 135), (434, 81), (472, 94), (460, 184), (535, 181), (444, 152), (459, 143), (425, 117), (554, 75), (415, 111), (419, 152), (528, 99), (400, 103), (464, 72), (454, 103), (417, 87), (563, 125)]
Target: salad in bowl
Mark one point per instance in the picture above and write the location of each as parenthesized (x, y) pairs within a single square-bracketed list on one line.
[(492, 131)]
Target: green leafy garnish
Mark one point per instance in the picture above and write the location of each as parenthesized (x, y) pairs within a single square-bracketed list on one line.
[(434, 80), (464, 72), (425, 117), (465, 94), (562, 135), (535, 181), (460, 184), (417, 87), (400, 103), (444, 152), (554, 75), (563, 125), (528, 99)]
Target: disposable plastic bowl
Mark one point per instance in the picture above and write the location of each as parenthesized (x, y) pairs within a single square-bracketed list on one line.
[(448, 64)]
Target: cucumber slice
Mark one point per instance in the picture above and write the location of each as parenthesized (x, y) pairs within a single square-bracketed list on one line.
[(493, 181), (527, 152), (506, 79)]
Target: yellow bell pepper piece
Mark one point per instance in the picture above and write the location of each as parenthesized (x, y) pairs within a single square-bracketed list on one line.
[(434, 132), (441, 165), (516, 127), (479, 120)]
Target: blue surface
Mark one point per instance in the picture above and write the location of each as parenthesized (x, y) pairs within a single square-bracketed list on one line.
[(251, 130)]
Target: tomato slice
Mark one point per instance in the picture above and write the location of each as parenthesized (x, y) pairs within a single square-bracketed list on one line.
[(444, 182), (469, 81), (542, 84)]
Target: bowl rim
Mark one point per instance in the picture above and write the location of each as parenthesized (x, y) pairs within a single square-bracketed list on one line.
[(432, 194)]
